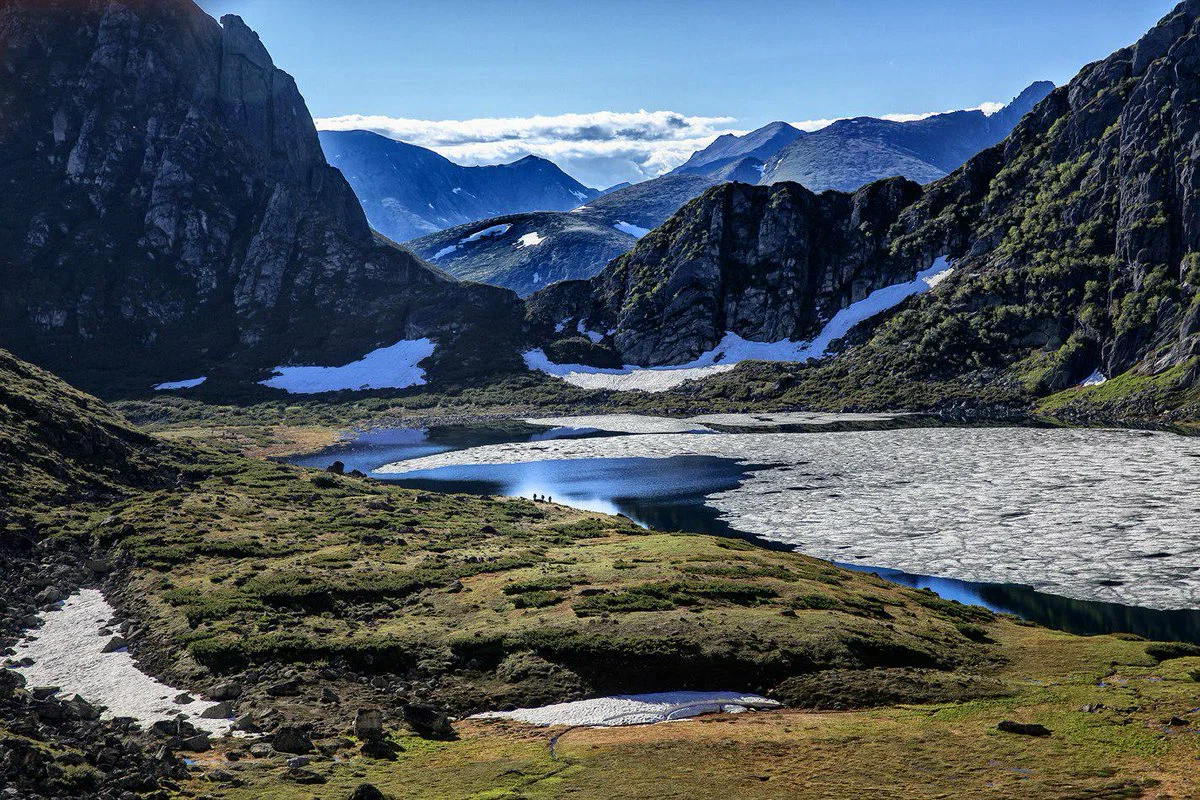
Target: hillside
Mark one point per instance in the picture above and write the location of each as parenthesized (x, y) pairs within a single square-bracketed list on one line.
[(408, 191), (1073, 244), (167, 210), (851, 153), (526, 252)]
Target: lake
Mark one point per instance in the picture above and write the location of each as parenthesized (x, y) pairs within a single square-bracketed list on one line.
[(1093, 526)]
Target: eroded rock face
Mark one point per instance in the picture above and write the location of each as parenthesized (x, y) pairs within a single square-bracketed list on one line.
[(766, 262), (1076, 243), (165, 201)]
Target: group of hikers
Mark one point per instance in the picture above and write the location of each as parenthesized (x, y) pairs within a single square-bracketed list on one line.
[(542, 499)]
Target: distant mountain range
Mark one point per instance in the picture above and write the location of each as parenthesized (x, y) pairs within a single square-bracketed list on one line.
[(851, 153), (526, 252), (409, 191)]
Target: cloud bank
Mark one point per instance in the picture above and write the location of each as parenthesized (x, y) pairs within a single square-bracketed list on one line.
[(600, 149)]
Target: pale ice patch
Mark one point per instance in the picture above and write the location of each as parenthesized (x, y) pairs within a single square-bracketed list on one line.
[(1087, 514), (494, 230), (67, 652), (634, 709), (644, 379), (393, 367), (623, 423), (590, 334), (560, 327), (445, 251), (635, 231), (580, 196), (1095, 379), (530, 240), (185, 384), (733, 349), (456, 190)]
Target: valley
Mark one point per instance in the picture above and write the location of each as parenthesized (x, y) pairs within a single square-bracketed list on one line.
[(851, 461)]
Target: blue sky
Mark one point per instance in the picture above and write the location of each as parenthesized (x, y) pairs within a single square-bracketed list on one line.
[(743, 62)]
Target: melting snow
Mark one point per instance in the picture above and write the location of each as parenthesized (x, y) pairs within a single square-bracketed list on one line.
[(733, 349), (623, 423), (445, 251), (595, 337), (392, 367), (1095, 379), (530, 240), (67, 652), (172, 385), (1086, 514), (494, 230), (634, 709), (633, 230)]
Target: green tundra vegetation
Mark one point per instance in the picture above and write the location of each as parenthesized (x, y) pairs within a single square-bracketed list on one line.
[(348, 593)]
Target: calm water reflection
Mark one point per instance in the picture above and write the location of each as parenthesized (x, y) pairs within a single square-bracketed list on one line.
[(668, 494)]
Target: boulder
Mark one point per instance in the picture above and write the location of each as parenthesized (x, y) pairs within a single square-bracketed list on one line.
[(292, 739), (368, 723)]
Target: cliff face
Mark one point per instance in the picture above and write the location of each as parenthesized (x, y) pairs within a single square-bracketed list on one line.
[(766, 262), (166, 206), (1076, 240)]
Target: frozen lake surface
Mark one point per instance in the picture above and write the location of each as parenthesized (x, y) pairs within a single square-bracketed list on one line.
[(1089, 530)]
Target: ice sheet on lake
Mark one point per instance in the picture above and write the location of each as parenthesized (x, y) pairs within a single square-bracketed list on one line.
[(783, 418), (623, 423), (733, 349), (172, 385), (67, 652), (1094, 515), (393, 367), (634, 709)]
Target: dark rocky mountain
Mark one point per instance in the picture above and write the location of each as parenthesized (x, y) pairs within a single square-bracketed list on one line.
[(853, 152), (409, 191), (738, 154), (166, 209), (527, 252), (1076, 245)]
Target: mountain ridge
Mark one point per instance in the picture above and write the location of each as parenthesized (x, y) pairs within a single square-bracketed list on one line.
[(409, 191)]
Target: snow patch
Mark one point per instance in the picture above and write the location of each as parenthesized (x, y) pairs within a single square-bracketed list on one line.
[(1095, 379), (635, 231), (456, 190), (580, 208), (494, 230), (67, 652), (733, 349), (590, 334), (580, 196), (634, 709), (530, 240), (392, 367), (445, 251), (172, 385), (623, 423)]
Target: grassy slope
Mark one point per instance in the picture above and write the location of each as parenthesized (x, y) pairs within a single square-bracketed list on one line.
[(483, 602)]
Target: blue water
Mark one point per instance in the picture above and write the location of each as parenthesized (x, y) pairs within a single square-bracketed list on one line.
[(669, 493)]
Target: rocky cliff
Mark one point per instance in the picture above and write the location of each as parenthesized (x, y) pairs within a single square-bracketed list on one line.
[(1076, 243), (166, 208)]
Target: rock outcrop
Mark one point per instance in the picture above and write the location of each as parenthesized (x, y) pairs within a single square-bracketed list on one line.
[(1076, 244), (165, 207)]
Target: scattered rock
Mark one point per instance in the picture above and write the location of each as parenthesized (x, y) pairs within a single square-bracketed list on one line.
[(303, 776), (195, 744), (291, 739), (295, 762), (226, 691), (114, 644), (220, 710), (337, 468), (43, 692), (261, 750), (366, 791), (368, 723), (1023, 728), (428, 722), (1178, 721), (379, 748), (329, 696), (183, 698), (288, 688)]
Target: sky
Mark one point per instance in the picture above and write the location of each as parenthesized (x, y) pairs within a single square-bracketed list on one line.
[(625, 89)]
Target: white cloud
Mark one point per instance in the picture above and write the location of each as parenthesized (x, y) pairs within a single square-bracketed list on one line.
[(599, 148)]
